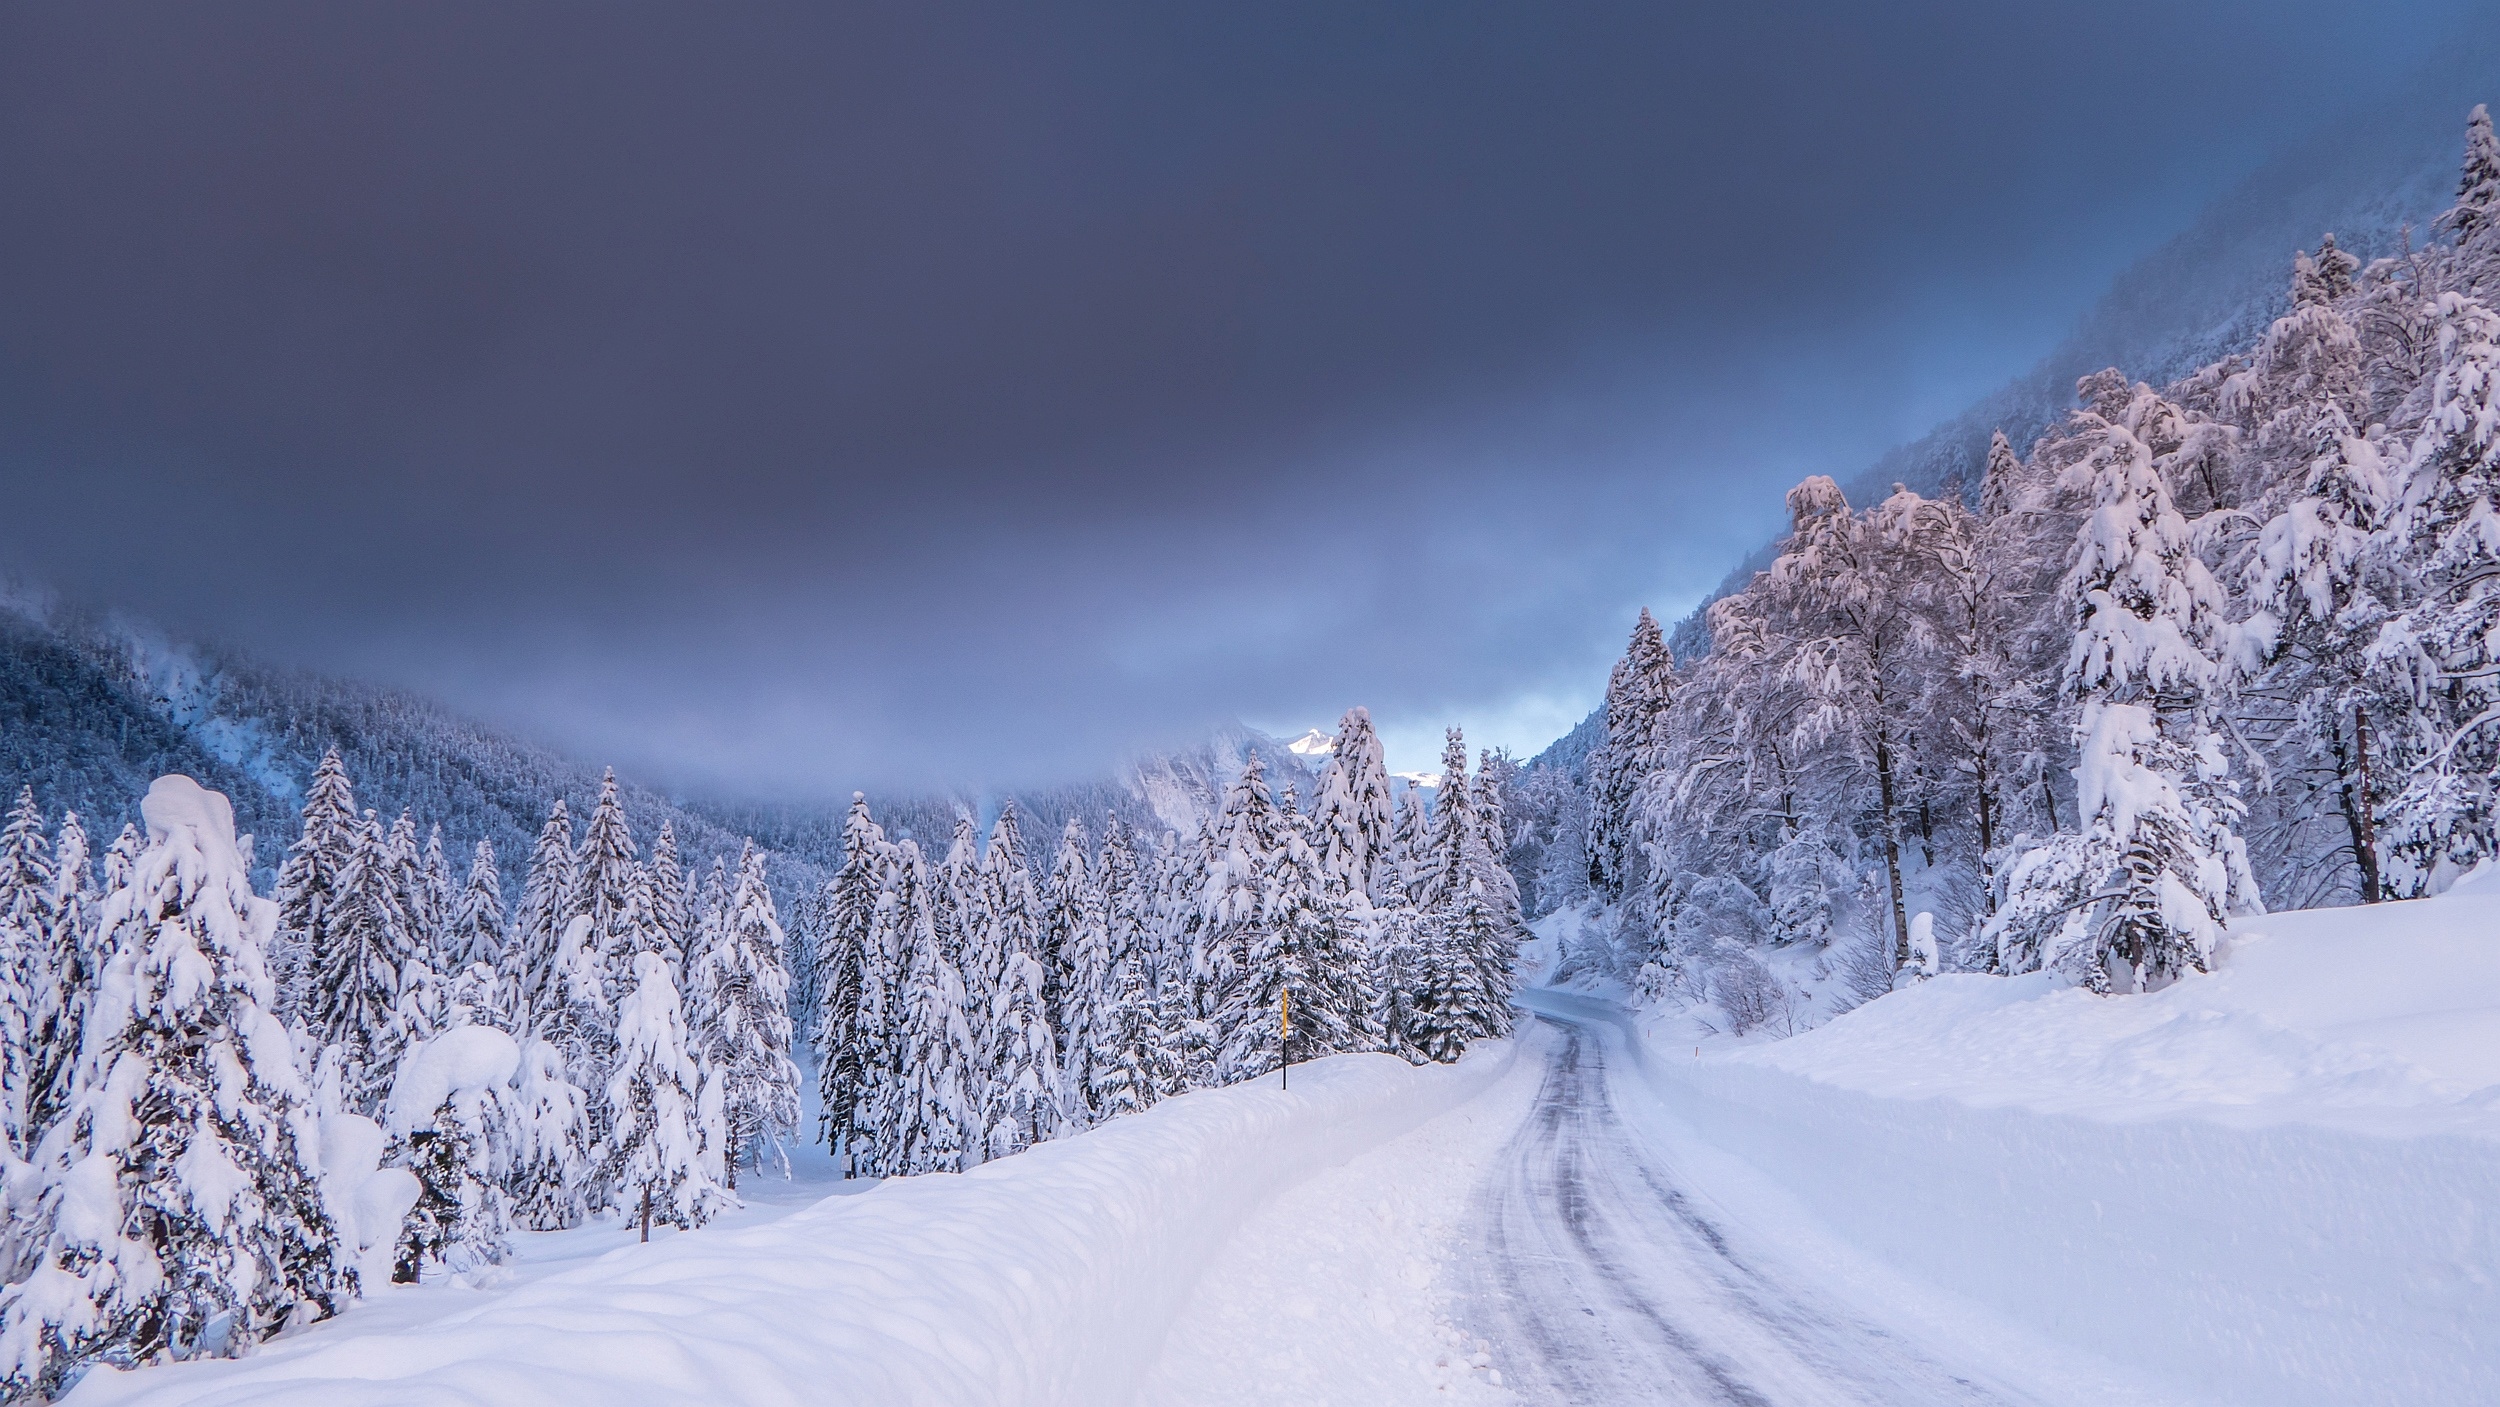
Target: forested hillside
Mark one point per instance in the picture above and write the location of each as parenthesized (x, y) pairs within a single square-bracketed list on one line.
[(2199, 649)]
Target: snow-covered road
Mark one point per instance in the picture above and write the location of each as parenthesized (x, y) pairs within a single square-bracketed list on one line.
[(1564, 1238), (1600, 1278)]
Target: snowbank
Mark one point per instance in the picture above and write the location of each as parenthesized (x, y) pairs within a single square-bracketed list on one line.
[(2276, 1184), (1050, 1277)]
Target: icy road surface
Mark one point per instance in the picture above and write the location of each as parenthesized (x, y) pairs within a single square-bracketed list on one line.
[(1562, 1238), (1601, 1280)]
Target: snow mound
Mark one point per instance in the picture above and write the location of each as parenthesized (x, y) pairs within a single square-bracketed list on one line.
[(1049, 1277), (2274, 1184), (2382, 1019)]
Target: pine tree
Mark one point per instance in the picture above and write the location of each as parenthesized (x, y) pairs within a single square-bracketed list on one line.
[(1305, 945), (1637, 698), (665, 1144), (932, 1107), (1022, 1095), (309, 879), (353, 1005), (72, 967), (604, 890), (1121, 1068), (28, 897), (2441, 654), (842, 971), (1236, 859), (550, 1170), (671, 925), (436, 909), (2160, 848), (1352, 817), (1078, 924), (533, 958), (2478, 187), (452, 1121), (742, 1022), (193, 1127)]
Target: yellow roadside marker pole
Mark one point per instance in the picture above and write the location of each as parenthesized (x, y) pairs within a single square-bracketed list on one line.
[(1284, 1036)]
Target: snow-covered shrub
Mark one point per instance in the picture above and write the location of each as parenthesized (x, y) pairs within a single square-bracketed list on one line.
[(1746, 991)]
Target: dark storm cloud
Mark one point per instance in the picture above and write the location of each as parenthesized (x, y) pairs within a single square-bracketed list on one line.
[(782, 394)]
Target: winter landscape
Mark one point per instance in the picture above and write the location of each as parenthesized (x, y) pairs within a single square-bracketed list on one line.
[(624, 637)]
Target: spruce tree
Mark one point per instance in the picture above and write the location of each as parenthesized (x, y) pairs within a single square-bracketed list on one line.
[(452, 1121), (477, 917), (1079, 928), (192, 1124), (604, 890), (670, 920), (550, 1171), (1121, 1069), (533, 958), (28, 900), (2478, 186), (664, 1142), (931, 1108), (309, 879), (842, 971), (742, 1034), (1353, 816), (1637, 697), (72, 966)]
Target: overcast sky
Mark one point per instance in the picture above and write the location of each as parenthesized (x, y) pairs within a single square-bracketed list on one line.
[(779, 398)]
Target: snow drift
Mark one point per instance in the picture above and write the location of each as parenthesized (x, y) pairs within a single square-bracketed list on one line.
[(1049, 1277), (2278, 1183)]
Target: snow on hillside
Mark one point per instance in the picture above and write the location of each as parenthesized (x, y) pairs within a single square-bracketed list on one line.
[(2269, 1184), (1049, 1277)]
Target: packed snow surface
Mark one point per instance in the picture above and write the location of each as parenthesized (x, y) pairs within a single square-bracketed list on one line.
[(2272, 1184), (1049, 1277)]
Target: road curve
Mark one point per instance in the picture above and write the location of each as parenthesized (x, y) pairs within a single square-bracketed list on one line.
[(1598, 1279)]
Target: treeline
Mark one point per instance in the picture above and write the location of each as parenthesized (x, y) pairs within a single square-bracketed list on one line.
[(2206, 647), (965, 1011), (225, 1113)]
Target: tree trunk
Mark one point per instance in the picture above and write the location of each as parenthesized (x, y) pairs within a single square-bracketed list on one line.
[(646, 1211), (1892, 845), (2357, 808)]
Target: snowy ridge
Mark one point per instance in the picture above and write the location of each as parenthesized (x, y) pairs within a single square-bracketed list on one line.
[(1048, 1277), (2262, 1186)]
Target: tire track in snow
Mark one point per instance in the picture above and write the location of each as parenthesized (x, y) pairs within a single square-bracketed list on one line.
[(1600, 1281)]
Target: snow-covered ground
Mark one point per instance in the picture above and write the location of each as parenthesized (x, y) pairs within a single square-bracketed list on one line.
[(1051, 1277), (2277, 1184)]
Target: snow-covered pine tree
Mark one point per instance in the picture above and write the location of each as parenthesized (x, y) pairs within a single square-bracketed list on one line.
[(1121, 1069), (1352, 816), (1078, 922), (1231, 906), (1463, 903), (417, 905), (1638, 695), (742, 1030), (671, 925), (2477, 210), (841, 961), (308, 879), (352, 1006), (477, 918), (551, 1167), (2160, 864), (436, 905), (533, 958), (71, 966), (932, 1109), (28, 896), (1305, 944), (1024, 1093), (178, 1209), (955, 900), (2443, 652), (665, 1142), (1127, 897), (605, 870), (1410, 844), (452, 1121)]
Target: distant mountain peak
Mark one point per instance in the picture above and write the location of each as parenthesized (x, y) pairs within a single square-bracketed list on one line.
[(1313, 744)]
